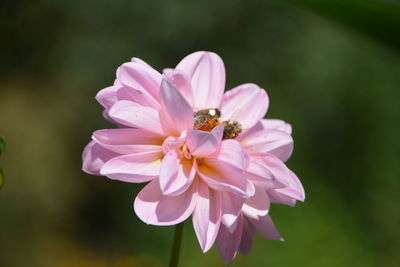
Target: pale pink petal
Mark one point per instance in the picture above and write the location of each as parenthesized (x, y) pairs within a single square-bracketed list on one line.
[(279, 198), (225, 179), (141, 98), (281, 172), (257, 205), (295, 189), (230, 152), (94, 156), (140, 77), (231, 209), (207, 73), (108, 96), (277, 125), (175, 105), (275, 166), (133, 168), (247, 237), (202, 143), (228, 243), (250, 189), (266, 227), (259, 174), (167, 125), (168, 170), (152, 207), (107, 117), (140, 61), (224, 170), (246, 104), (134, 115), (276, 142), (264, 125), (206, 216), (173, 142), (176, 175), (186, 173), (127, 140), (182, 82)]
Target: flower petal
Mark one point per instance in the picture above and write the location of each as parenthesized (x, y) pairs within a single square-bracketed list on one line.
[(175, 105), (247, 237), (168, 170), (182, 82), (228, 243), (266, 227), (231, 209), (230, 152), (141, 98), (108, 96), (260, 140), (127, 140), (264, 125), (207, 73), (275, 166), (134, 115), (176, 175), (277, 125), (224, 170), (173, 142), (202, 143), (279, 198), (152, 207), (167, 125), (259, 174), (295, 189), (133, 168), (140, 77), (246, 103), (206, 216), (140, 61), (94, 156), (257, 205), (225, 179)]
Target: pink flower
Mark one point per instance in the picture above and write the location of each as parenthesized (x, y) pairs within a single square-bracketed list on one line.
[(268, 144), (203, 152)]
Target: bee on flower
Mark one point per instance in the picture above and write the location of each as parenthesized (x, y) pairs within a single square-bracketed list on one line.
[(202, 152)]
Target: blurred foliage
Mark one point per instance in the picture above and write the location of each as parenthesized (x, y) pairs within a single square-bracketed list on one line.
[(2, 145), (1, 178), (337, 86), (379, 19)]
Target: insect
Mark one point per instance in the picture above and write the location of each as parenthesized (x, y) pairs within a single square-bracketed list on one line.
[(232, 129), (206, 119)]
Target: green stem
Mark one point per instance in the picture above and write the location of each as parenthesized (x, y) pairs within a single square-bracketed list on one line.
[(176, 246)]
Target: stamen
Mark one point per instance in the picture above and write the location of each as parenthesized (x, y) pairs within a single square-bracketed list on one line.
[(186, 152)]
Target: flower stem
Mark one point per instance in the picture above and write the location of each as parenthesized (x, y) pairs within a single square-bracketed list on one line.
[(176, 246)]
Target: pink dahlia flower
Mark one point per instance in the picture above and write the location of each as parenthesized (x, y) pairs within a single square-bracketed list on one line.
[(205, 154), (268, 144)]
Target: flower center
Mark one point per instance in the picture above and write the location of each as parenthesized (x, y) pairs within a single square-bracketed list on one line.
[(207, 119)]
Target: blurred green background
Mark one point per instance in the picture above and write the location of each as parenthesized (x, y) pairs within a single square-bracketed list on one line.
[(331, 69)]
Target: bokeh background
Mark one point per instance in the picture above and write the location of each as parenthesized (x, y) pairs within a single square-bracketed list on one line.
[(331, 69)]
